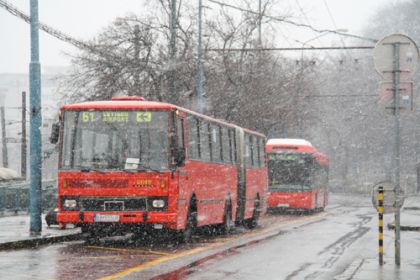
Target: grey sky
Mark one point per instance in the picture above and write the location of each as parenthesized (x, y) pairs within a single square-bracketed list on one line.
[(84, 18)]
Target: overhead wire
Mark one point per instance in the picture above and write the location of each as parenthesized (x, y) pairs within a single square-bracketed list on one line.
[(333, 20), (295, 23)]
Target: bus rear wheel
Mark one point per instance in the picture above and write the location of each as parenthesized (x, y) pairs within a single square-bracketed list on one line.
[(253, 221), (228, 224)]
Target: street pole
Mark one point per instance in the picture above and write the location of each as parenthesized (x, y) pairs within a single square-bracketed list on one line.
[(396, 85), (172, 52), (3, 138), (200, 75), (136, 91), (23, 152), (36, 121)]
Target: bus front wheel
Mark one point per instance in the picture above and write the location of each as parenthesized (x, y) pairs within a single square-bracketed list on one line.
[(190, 226)]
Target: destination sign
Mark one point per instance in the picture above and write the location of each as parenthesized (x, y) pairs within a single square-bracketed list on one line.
[(116, 116), (285, 157)]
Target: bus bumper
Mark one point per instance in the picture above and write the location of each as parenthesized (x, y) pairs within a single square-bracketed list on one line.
[(168, 220), (284, 200)]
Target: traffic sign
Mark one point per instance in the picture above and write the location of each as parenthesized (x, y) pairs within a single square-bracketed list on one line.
[(386, 95), (383, 56), (391, 200)]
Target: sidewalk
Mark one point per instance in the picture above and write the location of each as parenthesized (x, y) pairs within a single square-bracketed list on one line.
[(410, 215), (369, 268), (14, 233)]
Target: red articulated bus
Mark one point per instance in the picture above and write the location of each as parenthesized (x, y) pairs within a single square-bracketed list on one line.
[(130, 164), (298, 175)]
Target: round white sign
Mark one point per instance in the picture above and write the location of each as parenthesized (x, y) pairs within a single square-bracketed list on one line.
[(383, 55)]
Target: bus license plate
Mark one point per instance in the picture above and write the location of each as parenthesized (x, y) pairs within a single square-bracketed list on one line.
[(106, 218), (282, 205)]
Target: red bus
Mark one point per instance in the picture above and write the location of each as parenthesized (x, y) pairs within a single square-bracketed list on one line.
[(298, 175), (130, 164)]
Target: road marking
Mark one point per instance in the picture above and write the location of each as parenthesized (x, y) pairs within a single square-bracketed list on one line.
[(197, 250), (107, 257), (154, 262), (130, 250)]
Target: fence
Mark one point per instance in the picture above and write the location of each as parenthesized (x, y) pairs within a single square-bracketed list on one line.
[(14, 196)]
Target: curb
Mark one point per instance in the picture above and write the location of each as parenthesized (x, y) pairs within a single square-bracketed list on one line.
[(37, 241)]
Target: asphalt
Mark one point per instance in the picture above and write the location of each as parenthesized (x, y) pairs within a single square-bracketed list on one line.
[(367, 267), (14, 235)]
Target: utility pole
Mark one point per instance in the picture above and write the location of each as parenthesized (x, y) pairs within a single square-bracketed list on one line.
[(136, 61), (23, 145), (36, 121), (172, 52), (3, 138), (200, 75)]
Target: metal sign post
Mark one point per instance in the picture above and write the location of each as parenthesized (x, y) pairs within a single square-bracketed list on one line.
[(396, 58), (396, 84)]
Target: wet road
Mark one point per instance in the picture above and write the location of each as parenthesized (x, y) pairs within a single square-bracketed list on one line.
[(317, 250), (318, 246)]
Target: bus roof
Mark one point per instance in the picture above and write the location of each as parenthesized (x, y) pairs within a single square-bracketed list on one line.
[(289, 144), (136, 102), (296, 146), (119, 104)]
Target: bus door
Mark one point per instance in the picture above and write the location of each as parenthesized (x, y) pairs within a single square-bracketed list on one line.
[(182, 171), (240, 163)]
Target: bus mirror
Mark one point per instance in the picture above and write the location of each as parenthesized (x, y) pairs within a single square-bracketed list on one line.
[(180, 157), (55, 133)]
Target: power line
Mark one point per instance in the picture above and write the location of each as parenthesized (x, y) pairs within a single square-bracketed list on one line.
[(333, 20), (48, 29), (294, 23), (290, 49), (341, 95)]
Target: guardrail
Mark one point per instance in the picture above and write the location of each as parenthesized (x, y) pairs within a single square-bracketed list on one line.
[(14, 196)]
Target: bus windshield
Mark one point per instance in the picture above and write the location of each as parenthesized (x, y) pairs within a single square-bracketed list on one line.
[(115, 140), (289, 172)]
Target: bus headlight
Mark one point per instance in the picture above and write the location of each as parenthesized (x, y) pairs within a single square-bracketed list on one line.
[(158, 203), (70, 203)]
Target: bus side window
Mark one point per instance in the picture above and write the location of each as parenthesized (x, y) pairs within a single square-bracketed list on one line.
[(262, 152), (232, 144), (254, 150), (204, 141), (226, 147), (221, 143), (248, 151), (215, 143), (257, 143), (180, 131), (193, 148)]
